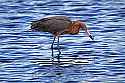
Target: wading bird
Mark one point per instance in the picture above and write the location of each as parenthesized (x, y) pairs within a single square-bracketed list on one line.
[(59, 25)]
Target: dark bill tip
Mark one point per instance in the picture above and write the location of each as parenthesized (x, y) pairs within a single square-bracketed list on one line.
[(91, 37)]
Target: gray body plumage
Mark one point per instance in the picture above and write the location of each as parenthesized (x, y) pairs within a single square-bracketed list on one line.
[(51, 24)]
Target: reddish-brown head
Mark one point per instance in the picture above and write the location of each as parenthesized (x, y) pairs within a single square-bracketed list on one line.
[(83, 26)]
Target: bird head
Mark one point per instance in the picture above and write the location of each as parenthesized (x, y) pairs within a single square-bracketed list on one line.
[(82, 25)]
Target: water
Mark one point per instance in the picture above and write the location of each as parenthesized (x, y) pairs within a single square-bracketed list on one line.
[(25, 57)]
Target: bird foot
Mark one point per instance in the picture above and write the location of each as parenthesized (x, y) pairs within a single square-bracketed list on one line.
[(52, 59)]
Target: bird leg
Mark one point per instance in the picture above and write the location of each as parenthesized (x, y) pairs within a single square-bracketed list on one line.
[(58, 50), (52, 47)]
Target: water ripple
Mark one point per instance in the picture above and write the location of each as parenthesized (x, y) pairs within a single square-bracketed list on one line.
[(25, 56)]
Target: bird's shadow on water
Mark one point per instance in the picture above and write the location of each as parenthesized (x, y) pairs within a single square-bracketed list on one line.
[(53, 72), (63, 70), (56, 73)]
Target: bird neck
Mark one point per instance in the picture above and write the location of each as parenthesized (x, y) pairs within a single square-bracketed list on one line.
[(73, 28)]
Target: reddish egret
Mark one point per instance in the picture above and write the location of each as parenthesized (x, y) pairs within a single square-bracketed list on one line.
[(59, 25)]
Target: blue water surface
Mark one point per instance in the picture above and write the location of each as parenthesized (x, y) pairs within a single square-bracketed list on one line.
[(25, 56)]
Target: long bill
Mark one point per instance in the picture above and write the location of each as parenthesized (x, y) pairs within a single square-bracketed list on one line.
[(86, 30), (88, 33)]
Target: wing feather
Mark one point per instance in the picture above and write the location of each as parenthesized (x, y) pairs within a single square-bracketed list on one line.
[(52, 24)]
